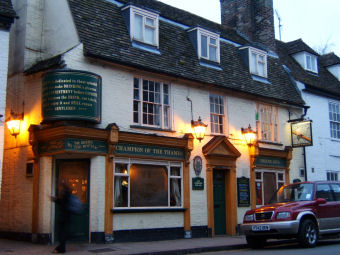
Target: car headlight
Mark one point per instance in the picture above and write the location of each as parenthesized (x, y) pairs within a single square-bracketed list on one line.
[(249, 217), (283, 215)]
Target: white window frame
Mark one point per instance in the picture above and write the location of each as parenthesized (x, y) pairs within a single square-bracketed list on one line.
[(219, 115), (334, 119), (267, 129), (145, 14), (210, 35), (278, 182), (165, 109), (167, 164), (258, 54), (312, 60)]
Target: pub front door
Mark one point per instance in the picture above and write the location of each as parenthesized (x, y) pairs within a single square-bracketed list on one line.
[(75, 173), (219, 201)]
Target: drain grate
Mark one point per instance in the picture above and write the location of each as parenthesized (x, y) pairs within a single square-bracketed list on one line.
[(102, 250)]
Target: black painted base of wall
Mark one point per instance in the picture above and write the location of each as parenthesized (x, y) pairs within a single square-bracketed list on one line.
[(135, 235), (157, 234), (28, 237)]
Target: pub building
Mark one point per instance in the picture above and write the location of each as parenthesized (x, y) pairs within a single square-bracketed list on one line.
[(144, 110)]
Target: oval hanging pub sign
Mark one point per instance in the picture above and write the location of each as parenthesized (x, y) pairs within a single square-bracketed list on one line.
[(71, 95)]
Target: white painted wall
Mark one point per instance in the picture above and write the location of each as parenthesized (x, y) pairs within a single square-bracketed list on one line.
[(4, 48), (325, 153)]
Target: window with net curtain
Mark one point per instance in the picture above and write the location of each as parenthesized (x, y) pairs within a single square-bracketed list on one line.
[(147, 185)]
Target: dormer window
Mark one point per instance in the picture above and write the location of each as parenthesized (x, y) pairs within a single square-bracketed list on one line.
[(307, 61), (206, 43), (143, 25), (311, 63), (256, 60)]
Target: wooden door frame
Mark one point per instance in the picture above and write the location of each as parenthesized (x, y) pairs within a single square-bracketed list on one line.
[(56, 162), (221, 154)]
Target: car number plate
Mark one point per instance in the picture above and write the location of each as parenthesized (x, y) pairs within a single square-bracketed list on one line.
[(260, 228)]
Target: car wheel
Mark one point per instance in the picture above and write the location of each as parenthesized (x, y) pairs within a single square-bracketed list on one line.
[(256, 242), (308, 234)]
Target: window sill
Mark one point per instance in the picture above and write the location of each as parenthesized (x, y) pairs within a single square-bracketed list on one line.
[(152, 128), (268, 142), (144, 210)]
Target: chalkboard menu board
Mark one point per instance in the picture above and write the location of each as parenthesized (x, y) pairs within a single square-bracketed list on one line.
[(243, 192)]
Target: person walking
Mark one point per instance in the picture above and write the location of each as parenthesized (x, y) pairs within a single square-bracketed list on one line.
[(63, 200)]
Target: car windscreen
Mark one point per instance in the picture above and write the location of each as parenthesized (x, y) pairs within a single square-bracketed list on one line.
[(293, 193)]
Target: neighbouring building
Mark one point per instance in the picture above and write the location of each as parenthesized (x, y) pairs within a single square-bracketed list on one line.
[(7, 16), (318, 79), (109, 92)]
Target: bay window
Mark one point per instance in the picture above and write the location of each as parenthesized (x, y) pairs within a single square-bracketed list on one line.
[(140, 183)]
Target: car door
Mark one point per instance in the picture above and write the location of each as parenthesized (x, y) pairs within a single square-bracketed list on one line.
[(335, 187), (326, 212)]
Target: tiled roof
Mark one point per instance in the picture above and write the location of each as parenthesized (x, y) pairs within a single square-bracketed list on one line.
[(329, 59), (104, 35), (299, 46), (7, 13), (323, 81)]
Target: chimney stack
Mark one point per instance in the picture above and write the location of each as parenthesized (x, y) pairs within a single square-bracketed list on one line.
[(253, 18)]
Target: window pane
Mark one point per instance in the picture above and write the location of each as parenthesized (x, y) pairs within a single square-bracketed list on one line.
[(253, 63), (138, 27), (175, 192), (212, 41), (204, 45), (259, 193), (149, 185), (149, 22), (212, 53), (175, 171), (121, 168), (121, 185)]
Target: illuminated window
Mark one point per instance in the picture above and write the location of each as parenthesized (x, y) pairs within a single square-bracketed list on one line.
[(266, 183), (147, 184), (267, 123)]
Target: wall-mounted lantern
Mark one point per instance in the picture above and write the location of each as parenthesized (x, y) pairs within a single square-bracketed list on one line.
[(198, 126), (249, 135), (14, 123), (199, 129)]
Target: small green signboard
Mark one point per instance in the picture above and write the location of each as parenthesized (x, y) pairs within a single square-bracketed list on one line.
[(71, 95), (147, 150), (74, 145), (198, 183)]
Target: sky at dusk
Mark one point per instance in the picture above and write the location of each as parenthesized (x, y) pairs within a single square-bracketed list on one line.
[(316, 22)]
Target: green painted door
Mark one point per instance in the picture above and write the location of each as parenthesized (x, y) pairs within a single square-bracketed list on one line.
[(219, 202), (75, 174)]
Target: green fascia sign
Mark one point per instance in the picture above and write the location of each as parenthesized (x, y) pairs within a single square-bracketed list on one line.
[(71, 95), (74, 145), (270, 162), (146, 150)]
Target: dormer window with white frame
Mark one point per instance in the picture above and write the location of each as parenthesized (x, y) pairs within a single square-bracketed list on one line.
[(311, 63), (208, 44), (307, 61), (258, 62), (143, 25)]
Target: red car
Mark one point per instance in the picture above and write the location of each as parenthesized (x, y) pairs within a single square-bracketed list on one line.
[(299, 210)]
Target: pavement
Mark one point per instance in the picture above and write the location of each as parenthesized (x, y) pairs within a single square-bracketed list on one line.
[(167, 247)]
